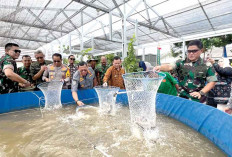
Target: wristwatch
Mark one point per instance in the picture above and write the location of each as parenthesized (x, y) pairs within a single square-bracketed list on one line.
[(202, 93)]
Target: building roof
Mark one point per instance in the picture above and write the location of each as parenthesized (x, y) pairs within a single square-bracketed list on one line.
[(36, 24)]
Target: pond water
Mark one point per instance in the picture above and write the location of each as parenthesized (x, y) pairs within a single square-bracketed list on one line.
[(90, 133)]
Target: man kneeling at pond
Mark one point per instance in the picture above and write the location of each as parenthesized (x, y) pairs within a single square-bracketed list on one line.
[(83, 78)]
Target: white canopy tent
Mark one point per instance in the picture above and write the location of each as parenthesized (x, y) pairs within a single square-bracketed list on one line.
[(107, 25)]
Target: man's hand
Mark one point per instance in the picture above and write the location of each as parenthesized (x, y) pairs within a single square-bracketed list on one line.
[(195, 95), (80, 103), (21, 85), (157, 68), (47, 79), (228, 110), (43, 67), (62, 80), (105, 84), (27, 84), (212, 61)]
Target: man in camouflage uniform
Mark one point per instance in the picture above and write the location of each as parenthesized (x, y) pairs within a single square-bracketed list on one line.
[(24, 71), (9, 78), (37, 68), (101, 70), (193, 73)]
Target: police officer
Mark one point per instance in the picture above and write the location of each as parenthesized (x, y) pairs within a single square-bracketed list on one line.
[(57, 71), (83, 78), (9, 78), (193, 73), (37, 68)]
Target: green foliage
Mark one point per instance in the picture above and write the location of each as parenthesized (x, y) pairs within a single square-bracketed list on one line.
[(130, 63), (65, 61), (110, 58), (174, 54), (76, 62), (84, 53), (65, 49), (221, 41), (209, 43)]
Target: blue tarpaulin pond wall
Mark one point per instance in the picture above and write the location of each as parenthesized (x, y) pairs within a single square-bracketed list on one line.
[(212, 123)]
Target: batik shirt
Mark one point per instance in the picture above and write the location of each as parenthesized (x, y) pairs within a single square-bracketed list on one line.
[(73, 69), (114, 76)]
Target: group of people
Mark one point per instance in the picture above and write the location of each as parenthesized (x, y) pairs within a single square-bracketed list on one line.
[(196, 78), (89, 76), (81, 76)]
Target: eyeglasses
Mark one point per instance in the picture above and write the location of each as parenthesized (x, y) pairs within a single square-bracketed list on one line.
[(192, 51), (56, 61), (39, 58), (17, 51), (72, 59)]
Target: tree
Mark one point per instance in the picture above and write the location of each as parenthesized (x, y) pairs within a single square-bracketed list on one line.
[(131, 63), (85, 53), (64, 48), (65, 61), (209, 43), (110, 58)]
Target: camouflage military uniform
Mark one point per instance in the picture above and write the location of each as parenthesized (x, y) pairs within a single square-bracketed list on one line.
[(25, 73), (35, 68), (193, 76), (100, 72), (7, 85)]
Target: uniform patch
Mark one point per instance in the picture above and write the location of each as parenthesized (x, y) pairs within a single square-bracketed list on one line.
[(81, 79)]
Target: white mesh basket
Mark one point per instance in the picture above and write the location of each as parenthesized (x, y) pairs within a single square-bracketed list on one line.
[(107, 97), (141, 89), (52, 94)]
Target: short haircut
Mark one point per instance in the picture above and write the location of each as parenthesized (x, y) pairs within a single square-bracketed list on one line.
[(103, 57), (70, 56), (57, 55), (38, 52), (25, 56), (197, 43), (117, 58), (82, 63), (9, 45)]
